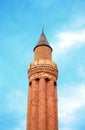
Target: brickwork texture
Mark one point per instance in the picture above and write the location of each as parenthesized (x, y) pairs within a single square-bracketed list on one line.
[(42, 110)]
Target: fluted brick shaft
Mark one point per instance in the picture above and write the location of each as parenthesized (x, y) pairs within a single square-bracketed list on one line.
[(29, 110), (33, 106), (56, 107), (51, 109), (42, 105)]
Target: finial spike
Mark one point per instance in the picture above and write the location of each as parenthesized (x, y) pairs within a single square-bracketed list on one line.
[(43, 29)]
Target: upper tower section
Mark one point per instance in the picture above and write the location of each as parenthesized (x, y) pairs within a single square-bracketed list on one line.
[(43, 66), (42, 50)]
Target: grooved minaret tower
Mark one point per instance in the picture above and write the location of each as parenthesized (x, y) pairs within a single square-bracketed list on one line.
[(42, 111)]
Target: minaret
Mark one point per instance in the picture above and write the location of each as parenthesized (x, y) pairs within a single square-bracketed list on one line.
[(42, 111)]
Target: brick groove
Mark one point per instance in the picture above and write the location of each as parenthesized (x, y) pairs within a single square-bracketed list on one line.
[(51, 113), (29, 110), (42, 105), (34, 106), (56, 107)]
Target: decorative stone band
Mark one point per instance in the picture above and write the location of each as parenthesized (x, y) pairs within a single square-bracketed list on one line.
[(43, 68)]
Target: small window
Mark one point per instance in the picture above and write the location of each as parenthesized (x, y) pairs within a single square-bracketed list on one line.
[(55, 84), (47, 79), (30, 83), (37, 79)]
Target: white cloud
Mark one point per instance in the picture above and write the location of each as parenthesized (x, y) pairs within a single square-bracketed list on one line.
[(69, 104), (68, 40)]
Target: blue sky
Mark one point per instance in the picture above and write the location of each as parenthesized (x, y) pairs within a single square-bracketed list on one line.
[(21, 23)]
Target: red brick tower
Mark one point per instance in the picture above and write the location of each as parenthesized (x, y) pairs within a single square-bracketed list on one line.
[(42, 112)]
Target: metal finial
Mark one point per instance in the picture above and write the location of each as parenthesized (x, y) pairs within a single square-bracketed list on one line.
[(43, 29)]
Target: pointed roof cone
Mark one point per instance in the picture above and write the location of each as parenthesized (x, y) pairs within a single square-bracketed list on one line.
[(42, 41)]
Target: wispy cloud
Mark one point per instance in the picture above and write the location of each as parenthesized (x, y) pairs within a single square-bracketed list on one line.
[(68, 40), (68, 105)]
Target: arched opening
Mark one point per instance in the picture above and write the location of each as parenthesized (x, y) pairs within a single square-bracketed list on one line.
[(30, 83), (55, 84), (47, 79), (37, 79)]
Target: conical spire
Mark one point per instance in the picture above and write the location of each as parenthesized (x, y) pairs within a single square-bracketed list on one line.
[(42, 40)]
